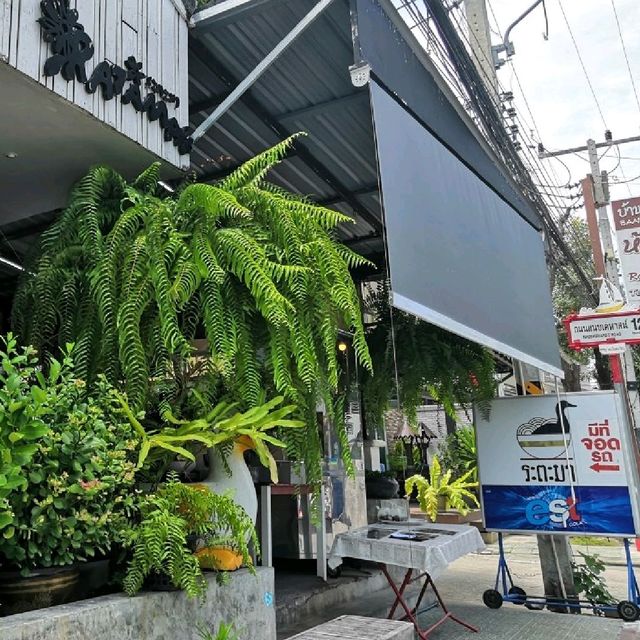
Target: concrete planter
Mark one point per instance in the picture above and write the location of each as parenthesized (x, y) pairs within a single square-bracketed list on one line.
[(247, 601)]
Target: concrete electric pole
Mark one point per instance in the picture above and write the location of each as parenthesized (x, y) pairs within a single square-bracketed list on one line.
[(595, 190), (480, 40)]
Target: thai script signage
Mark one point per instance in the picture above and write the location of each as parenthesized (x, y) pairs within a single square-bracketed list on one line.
[(588, 331), (626, 217), (72, 48), (558, 465)]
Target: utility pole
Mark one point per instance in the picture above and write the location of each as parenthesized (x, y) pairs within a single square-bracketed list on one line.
[(480, 40), (595, 190)]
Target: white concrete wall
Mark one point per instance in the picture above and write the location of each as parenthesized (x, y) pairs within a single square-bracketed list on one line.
[(154, 31)]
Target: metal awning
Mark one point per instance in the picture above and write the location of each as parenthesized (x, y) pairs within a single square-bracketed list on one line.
[(307, 89), (319, 82)]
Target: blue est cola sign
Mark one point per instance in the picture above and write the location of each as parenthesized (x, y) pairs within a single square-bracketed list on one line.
[(558, 465)]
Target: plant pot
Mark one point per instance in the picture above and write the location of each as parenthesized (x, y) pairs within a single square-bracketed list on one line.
[(443, 503), (218, 559), (382, 488), (239, 483), (159, 582), (42, 588), (94, 575)]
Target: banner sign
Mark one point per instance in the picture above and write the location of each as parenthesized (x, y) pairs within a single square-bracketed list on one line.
[(535, 478), (593, 330), (626, 217)]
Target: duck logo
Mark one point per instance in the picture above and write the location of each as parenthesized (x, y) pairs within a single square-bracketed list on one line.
[(545, 438), (553, 511)]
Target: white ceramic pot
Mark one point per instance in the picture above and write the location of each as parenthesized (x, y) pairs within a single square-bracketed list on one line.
[(239, 483)]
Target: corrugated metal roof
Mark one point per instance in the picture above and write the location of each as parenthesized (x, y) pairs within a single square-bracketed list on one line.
[(307, 89)]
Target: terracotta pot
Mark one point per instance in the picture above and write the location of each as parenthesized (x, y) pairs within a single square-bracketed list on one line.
[(43, 588)]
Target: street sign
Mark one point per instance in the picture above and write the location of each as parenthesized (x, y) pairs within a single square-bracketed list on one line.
[(536, 477), (626, 217), (584, 332), (612, 349)]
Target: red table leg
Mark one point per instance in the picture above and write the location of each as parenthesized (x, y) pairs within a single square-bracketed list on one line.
[(403, 586), (411, 614), (401, 601)]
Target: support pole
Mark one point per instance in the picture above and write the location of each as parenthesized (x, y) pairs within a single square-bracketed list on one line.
[(266, 541), (260, 68)]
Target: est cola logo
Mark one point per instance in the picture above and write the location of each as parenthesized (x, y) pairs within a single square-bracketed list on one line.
[(553, 511)]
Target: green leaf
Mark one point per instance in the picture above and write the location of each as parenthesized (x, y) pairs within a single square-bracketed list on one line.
[(38, 394), (6, 518)]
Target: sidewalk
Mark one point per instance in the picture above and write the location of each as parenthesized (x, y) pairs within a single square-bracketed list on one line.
[(462, 585), (524, 545)]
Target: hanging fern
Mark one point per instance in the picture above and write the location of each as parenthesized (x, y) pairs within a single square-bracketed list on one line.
[(428, 360), (132, 277)]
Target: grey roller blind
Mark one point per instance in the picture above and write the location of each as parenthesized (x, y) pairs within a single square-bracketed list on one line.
[(459, 255)]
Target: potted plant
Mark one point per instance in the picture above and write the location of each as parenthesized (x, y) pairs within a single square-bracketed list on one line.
[(226, 433), (440, 492), (459, 452), (381, 485), (176, 523), (79, 482)]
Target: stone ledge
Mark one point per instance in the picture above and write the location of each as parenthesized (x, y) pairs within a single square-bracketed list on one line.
[(247, 601)]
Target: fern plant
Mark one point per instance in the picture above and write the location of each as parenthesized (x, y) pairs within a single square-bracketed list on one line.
[(226, 631), (160, 546), (459, 452), (133, 277), (163, 541), (457, 493), (429, 361)]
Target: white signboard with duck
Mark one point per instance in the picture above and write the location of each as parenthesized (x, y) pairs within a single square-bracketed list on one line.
[(562, 465)]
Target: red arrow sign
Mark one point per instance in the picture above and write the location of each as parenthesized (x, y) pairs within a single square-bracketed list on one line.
[(605, 467)]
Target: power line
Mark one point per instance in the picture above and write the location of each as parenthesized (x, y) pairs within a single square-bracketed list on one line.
[(586, 75), (626, 57), (489, 110), (490, 122), (536, 162)]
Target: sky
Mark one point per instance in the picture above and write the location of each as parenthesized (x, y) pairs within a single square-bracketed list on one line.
[(557, 91)]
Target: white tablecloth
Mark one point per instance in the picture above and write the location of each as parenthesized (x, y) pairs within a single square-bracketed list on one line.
[(449, 542)]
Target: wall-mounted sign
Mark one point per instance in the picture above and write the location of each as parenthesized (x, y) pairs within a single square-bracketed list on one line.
[(536, 476), (72, 48), (587, 331), (626, 216)]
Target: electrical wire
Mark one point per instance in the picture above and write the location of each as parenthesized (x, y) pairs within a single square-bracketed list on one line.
[(626, 57), (536, 160), (494, 128), (586, 75)]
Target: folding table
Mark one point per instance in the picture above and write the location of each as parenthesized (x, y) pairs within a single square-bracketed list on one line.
[(416, 545)]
